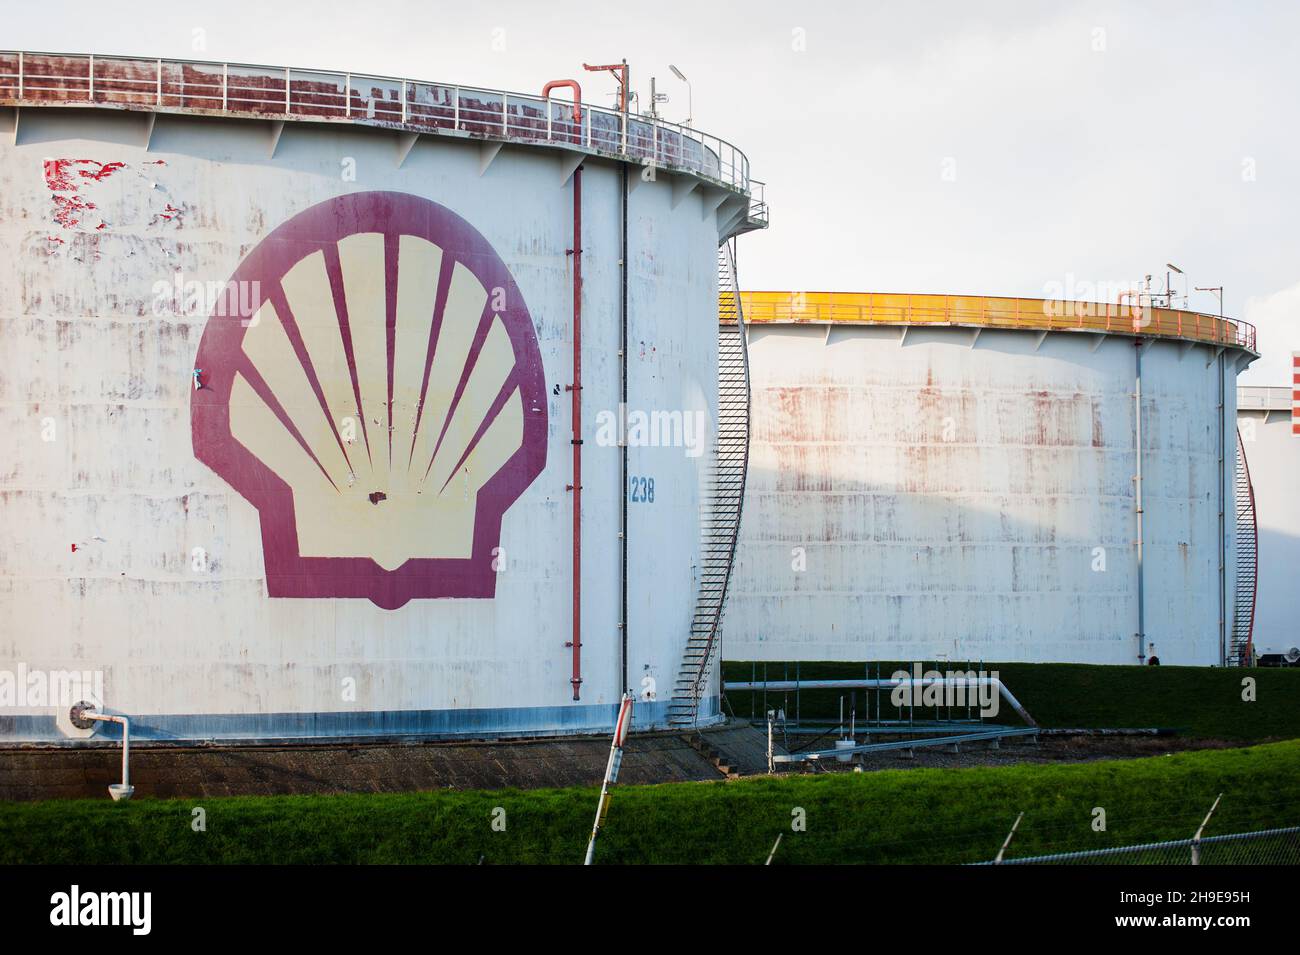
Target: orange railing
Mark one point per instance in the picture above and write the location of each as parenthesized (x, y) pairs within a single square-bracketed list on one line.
[(981, 311)]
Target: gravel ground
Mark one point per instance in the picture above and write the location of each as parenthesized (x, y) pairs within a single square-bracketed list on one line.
[(51, 773)]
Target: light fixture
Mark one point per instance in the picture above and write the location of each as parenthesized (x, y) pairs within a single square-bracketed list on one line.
[(690, 102), (1169, 290)]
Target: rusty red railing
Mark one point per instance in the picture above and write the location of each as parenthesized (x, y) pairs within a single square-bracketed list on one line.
[(271, 92)]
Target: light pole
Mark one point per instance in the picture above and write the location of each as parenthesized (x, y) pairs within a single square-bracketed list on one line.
[(1169, 291), (1217, 290), (690, 102)]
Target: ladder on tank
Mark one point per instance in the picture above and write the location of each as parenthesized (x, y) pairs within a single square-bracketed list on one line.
[(1247, 538), (720, 512)]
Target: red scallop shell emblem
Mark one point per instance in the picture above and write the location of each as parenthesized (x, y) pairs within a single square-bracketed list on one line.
[(380, 400)]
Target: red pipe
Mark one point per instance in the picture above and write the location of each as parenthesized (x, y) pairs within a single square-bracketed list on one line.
[(620, 73), (577, 96), (576, 391)]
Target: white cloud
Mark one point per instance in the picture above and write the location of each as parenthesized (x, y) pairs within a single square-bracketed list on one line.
[(1276, 317), (947, 146)]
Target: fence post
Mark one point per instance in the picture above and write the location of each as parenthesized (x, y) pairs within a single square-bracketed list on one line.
[(1196, 839), (772, 854), (771, 763), (1007, 841)]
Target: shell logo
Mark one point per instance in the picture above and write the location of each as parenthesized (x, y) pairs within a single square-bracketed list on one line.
[(382, 404)]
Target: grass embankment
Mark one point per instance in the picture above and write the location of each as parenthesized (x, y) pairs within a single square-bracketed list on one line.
[(1198, 701), (920, 815)]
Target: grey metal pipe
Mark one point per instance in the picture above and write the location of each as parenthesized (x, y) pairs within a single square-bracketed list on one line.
[(885, 684), (1141, 603), (1223, 507), (957, 739), (123, 790)]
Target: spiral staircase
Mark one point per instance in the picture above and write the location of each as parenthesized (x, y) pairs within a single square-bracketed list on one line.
[(1247, 537), (721, 508)]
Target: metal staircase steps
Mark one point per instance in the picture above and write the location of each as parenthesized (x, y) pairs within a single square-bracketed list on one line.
[(1247, 540), (720, 511)]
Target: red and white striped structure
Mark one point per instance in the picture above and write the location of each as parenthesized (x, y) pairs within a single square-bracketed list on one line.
[(1295, 392)]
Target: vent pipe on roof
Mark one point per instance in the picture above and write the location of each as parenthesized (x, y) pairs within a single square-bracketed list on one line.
[(577, 96)]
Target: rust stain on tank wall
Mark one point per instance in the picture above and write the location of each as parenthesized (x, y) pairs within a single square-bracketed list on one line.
[(786, 414), (1044, 410)]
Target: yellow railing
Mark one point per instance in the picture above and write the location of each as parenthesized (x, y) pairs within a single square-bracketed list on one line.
[(1135, 317)]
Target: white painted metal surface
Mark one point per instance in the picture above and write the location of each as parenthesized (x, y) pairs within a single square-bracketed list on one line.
[(923, 493), (1264, 419), (121, 552)]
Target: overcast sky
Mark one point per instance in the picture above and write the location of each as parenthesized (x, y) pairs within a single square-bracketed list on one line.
[(974, 147)]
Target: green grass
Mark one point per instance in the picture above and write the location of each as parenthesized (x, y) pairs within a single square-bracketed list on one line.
[(914, 815), (1198, 701)]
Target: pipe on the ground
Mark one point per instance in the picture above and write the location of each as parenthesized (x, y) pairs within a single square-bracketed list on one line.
[(886, 684)]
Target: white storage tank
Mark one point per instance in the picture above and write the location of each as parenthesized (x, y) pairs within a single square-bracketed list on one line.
[(1271, 444), (288, 401), (956, 478)]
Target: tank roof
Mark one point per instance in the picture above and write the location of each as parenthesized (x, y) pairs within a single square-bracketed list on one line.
[(988, 311), (273, 93)]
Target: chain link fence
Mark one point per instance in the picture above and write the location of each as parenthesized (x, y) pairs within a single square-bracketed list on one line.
[(1266, 847)]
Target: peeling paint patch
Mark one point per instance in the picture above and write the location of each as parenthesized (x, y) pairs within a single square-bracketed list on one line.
[(68, 179), (168, 213), (63, 179)]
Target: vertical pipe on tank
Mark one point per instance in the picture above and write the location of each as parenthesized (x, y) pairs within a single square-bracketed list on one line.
[(1223, 504), (622, 359), (575, 391), (1137, 407)]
